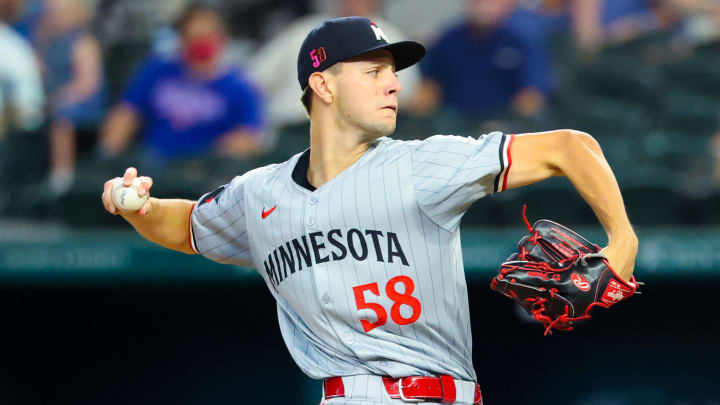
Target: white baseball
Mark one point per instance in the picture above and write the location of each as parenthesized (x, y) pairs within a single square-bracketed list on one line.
[(127, 198)]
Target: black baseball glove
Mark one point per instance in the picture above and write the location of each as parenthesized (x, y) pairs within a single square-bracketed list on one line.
[(558, 276)]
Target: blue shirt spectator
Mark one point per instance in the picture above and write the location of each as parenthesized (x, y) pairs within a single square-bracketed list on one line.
[(614, 10), (555, 19), (592, 23), (184, 115), (193, 104), (481, 71), (30, 15), (537, 22)]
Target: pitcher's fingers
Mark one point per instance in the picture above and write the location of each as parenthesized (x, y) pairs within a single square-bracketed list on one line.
[(145, 208), (129, 176), (145, 184), (107, 196)]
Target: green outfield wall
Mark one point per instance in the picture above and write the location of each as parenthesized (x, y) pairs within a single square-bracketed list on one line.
[(126, 257)]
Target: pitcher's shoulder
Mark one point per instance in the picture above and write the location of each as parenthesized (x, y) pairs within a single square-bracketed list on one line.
[(272, 171), (394, 146)]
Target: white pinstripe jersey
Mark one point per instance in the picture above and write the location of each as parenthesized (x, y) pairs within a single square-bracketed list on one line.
[(366, 270)]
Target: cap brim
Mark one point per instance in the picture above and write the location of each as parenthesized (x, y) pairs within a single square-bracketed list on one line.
[(405, 53)]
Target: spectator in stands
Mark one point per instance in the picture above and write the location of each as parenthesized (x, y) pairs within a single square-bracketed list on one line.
[(595, 23), (274, 65), (435, 15), (545, 16), (607, 22), (625, 19), (548, 17), (191, 105), (29, 13), (701, 21), (21, 93), (74, 83), (483, 67)]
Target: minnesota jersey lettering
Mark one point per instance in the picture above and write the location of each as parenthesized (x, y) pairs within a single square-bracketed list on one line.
[(296, 253)]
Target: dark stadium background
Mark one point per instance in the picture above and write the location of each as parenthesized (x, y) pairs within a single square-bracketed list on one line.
[(220, 344)]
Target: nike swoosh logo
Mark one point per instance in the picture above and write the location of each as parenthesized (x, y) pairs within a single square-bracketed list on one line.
[(268, 212)]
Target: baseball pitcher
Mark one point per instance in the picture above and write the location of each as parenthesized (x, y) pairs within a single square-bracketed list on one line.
[(358, 237)]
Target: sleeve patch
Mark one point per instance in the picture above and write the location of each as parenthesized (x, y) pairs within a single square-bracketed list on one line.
[(214, 196)]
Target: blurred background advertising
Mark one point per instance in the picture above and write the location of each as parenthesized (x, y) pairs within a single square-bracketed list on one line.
[(194, 94)]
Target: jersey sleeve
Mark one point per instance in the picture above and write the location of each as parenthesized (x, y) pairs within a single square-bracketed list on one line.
[(452, 172), (218, 228)]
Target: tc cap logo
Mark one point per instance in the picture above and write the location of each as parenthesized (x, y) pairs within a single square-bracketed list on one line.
[(379, 34)]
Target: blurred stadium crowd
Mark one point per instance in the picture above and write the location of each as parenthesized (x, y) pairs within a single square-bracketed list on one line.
[(195, 93)]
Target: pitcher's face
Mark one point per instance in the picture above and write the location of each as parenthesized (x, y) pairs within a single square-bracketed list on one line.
[(367, 93)]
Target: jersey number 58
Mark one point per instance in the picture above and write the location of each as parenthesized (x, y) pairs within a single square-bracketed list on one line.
[(399, 299)]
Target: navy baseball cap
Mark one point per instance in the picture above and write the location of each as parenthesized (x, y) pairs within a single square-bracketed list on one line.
[(342, 38)]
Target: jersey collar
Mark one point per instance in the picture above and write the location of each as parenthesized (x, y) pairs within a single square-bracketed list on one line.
[(299, 173)]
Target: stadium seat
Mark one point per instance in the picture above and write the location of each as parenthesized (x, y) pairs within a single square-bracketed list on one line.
[(690, 113), (604, 116), (620, 77), (698, 74)]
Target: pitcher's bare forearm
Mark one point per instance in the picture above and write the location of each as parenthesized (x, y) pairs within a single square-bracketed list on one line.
[(167, 223), (578, 156), (585, 166)]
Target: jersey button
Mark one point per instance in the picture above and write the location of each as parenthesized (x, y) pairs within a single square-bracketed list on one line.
[(311, 221), (326, 298), (349, 339), (313, 201)]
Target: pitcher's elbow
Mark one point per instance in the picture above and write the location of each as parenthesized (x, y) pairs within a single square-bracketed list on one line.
[(580, 138)]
